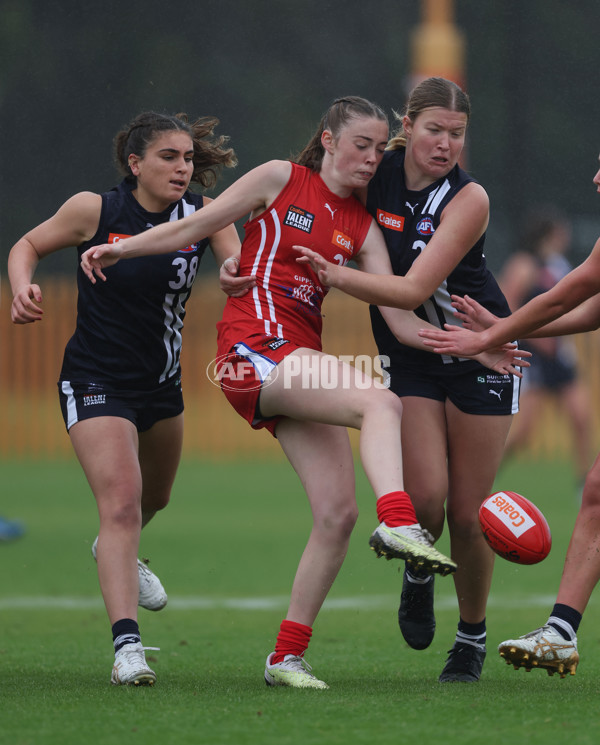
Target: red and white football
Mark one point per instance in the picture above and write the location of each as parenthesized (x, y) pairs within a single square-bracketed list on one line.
[(515, 528)]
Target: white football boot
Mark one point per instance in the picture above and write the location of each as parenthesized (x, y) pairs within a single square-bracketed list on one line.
[(544, 648), (152, 595), (412, 543), (294, 672), (131, 668)]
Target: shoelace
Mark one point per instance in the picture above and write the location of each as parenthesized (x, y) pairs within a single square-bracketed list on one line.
[(542, 630), (135, 652), (143, 570), (299, 664), (419, 534)]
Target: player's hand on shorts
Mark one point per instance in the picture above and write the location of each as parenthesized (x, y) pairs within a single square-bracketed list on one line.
[(231, 283), (472, 314), (97, 258), (24, 308), (507, 359), (454, 340)]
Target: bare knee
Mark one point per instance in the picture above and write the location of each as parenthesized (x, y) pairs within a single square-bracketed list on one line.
[(122, 512), (464, 525), (155, 501), (337, 524), (386, 403)]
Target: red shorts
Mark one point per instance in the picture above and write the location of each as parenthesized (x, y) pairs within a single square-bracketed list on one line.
[(243, 370)]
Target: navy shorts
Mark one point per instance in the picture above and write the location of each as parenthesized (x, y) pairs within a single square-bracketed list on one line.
[(550, 373), (79, 401), (475, 391)]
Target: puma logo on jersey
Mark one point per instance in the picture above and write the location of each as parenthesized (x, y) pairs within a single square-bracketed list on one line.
[(331, 210), (296, 217), (496, 393), (411, 207)]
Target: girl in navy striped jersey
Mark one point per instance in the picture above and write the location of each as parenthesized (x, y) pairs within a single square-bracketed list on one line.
[(120, 387)]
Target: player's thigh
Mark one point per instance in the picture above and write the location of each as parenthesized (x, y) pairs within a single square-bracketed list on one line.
[(312, 385), (107, 449), (159, 456), (475, 450), (424, 450)]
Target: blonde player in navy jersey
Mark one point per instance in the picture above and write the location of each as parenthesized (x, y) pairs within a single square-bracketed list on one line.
[(270, 341), (572, 306), (456, 413), (120, 383)]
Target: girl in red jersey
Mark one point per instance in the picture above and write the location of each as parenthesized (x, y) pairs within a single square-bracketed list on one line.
[(271, 365), (456, 414)]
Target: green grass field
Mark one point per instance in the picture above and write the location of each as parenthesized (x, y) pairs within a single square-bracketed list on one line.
[(226, 550)]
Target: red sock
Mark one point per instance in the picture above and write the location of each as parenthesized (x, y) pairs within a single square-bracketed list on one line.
[(293, 638), (395, 509)]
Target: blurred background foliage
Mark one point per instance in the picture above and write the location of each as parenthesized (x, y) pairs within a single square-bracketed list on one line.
[(72, 73)]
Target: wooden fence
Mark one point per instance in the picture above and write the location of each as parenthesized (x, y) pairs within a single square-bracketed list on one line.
[(31, 425)]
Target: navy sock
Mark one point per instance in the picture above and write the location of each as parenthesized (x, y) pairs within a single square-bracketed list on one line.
[(125, 631), (565, 620), (471, 633)]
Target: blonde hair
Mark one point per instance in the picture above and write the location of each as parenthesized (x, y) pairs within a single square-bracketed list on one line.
[(432, 92)]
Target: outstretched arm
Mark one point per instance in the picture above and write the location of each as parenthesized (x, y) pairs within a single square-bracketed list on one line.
[(463, 222), (535, 317), (252, 192), (405, 325)]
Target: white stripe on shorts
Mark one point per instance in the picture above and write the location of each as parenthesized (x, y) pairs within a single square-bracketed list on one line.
[(71, 404)]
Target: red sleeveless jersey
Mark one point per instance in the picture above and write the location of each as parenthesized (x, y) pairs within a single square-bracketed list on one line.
[(286, 302)]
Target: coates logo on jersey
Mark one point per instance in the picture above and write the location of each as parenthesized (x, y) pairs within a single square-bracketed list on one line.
[(341, 239), (298, 218), (116, 237), (425, 226), (393, 222)]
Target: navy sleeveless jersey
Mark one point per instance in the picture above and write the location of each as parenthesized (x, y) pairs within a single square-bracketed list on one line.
[(408, 219), (128, 328)]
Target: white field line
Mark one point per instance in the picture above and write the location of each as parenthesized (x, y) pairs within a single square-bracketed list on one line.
[(358, 602)]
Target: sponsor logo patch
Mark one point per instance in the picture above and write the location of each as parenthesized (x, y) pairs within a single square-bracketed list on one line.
[(276, 343), (296, 217), (94, 399), (388, 220), (341, 239), (116, 237)]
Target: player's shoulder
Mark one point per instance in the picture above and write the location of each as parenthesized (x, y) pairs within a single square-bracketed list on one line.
[(84, 200), (82, 210), (267, 179), (471, 193)]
